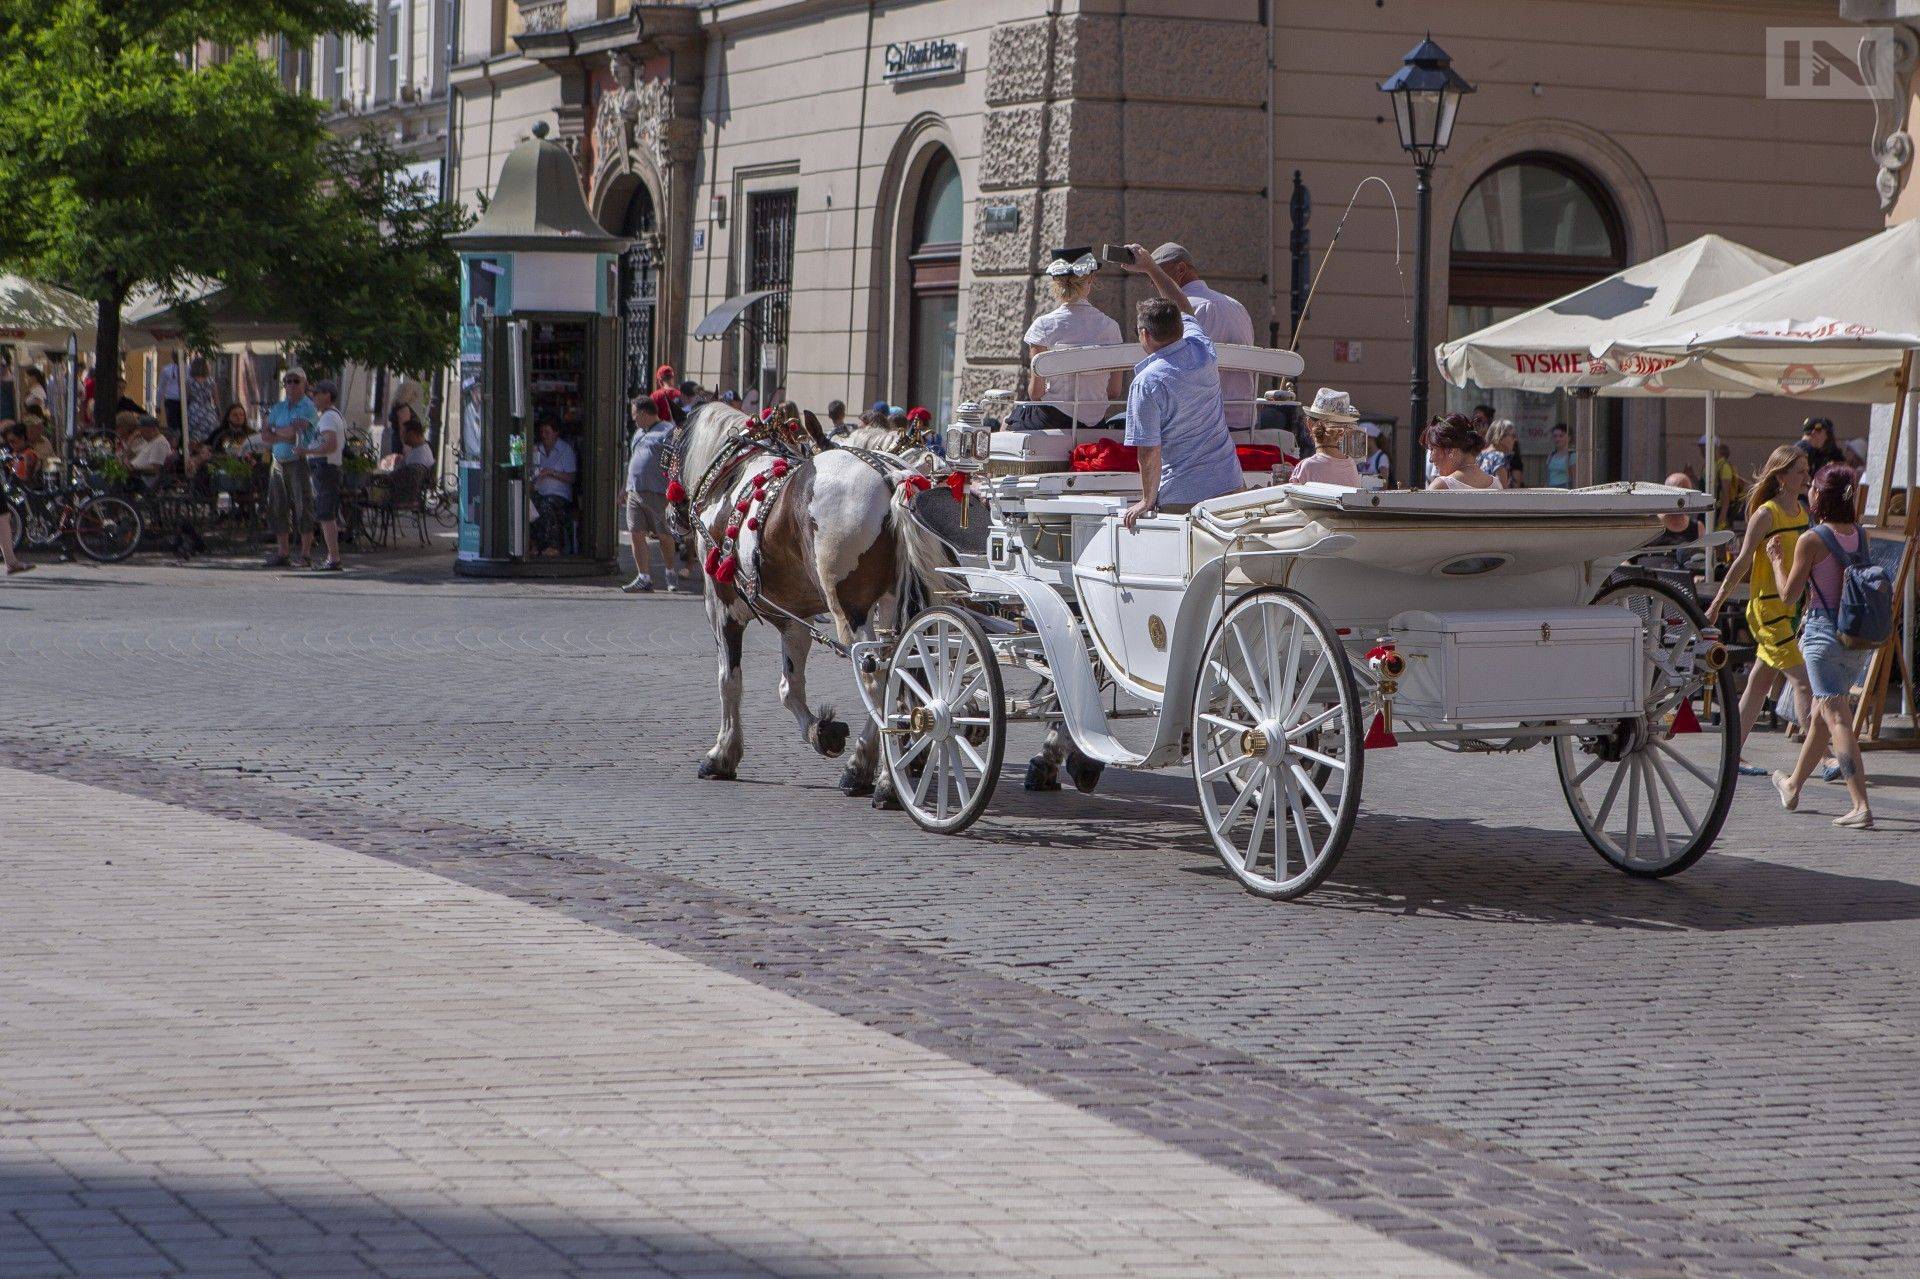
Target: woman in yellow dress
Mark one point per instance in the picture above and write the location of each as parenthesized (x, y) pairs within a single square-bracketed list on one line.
[(1775, 519)]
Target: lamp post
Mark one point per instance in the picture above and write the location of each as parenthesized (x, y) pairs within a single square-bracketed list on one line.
[(1426, 93)]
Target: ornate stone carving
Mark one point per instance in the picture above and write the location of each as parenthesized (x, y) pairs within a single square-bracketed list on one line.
[(632, 118), (1893, 148), (538, 16)]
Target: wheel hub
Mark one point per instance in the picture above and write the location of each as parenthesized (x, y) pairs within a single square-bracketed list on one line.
[(934, 720), (1264, 740)]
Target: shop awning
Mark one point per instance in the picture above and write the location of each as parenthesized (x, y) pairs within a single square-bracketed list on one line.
[(728, 313)]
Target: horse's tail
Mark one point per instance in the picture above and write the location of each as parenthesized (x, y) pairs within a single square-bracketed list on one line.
[(921, 555)]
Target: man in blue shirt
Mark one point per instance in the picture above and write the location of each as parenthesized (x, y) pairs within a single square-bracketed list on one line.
[(1176, 415), (289, 498)]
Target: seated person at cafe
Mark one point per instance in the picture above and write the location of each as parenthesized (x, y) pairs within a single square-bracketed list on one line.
[(1329, 417), (555, 467), (1453, 450), (1076, 321), (416, 452), (151, 451), (24, 465)]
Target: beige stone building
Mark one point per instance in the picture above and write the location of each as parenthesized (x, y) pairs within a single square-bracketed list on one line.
[(895, 172)]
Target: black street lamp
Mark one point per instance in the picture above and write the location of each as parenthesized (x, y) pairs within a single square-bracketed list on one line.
[(1426, 94)]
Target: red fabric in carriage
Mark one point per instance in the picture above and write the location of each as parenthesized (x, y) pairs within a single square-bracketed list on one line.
[(1112, 455)]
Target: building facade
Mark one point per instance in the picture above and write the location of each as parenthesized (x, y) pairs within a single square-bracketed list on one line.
[(889, 177)]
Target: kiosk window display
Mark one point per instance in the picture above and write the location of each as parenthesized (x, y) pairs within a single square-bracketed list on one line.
[(541, 413)]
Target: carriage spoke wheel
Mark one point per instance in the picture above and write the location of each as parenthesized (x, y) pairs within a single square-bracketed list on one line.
[(1276, 743), (1648, 799), (945, 725)]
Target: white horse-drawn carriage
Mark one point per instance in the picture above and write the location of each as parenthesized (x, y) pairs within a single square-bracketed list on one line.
[(1274, 638)]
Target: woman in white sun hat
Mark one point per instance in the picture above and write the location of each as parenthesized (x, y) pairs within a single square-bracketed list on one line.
[(1329, 418)]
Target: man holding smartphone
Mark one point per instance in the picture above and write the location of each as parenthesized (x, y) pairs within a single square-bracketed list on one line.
[(1176, 416)]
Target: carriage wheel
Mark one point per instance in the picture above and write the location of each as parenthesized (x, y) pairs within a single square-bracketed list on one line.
[(1651, 801), (946, 720), (1276, 743)]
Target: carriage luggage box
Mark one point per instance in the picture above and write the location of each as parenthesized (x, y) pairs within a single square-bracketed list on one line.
[(1520, 664)]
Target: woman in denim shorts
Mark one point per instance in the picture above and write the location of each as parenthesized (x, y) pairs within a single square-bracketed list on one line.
[(1832, 667)]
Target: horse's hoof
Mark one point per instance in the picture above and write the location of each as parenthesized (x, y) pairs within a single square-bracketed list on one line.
[(830, 737), (713, 772), (885, 799), (1085, 772), (1042, 774), (856, 783)]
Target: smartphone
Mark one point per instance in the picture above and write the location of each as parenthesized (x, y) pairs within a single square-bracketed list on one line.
[(1116, 253)]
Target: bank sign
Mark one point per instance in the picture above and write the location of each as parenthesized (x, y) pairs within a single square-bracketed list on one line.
[(922, 60)]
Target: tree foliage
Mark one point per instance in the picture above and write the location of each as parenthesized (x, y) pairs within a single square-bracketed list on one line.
[(125, 171)]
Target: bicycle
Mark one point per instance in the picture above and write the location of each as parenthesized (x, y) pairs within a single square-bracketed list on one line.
[(442, 502), (71, 516)]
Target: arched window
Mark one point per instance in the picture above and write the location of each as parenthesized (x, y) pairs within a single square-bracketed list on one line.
[(933, 266), (1532, 229)]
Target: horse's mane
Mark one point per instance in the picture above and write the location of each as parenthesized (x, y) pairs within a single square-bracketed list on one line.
[(705, 432), (878, 439)]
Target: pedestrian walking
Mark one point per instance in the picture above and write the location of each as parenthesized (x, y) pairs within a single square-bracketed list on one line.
[(645, 495), (289, 495), (323, 447), (1835, 656), (1775, 520), (1817, 442), (203, 401)]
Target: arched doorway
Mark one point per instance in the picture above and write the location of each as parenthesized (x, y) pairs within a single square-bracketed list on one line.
[(1533, 228), (933, 268), (640, 288)]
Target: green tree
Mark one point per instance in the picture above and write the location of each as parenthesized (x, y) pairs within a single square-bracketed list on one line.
[(123, 168)]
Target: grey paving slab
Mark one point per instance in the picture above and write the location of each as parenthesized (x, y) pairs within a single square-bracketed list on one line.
[(350, 982)]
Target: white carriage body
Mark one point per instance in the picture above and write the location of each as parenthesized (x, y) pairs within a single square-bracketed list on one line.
[(1485, 599)]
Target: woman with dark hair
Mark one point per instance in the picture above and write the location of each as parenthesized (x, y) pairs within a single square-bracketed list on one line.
[(1817, 442), (1775, 520), (1819, 563), (1453, 446)]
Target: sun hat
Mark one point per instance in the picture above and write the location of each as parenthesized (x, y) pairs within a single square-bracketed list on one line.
[(1330, 405)]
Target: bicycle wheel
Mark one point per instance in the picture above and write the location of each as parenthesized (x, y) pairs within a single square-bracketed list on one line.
[(106, 529), (443, 504)]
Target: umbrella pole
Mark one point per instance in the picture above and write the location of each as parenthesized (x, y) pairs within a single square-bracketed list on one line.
[(1585, 454), (1710, 480)]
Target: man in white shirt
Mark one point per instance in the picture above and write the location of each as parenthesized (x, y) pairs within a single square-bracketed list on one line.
[(324, 446), (151, 452), (1222, 319)]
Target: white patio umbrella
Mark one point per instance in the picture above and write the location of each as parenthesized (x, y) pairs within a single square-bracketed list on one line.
[(1552, 347), (1834, 328), (36, 314), (1841, 327)]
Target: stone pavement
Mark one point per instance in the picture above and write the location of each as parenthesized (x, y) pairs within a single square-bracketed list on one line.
[(1476, 1039), (224, 1050)]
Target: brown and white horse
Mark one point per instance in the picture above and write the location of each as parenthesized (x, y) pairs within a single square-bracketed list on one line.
[(796, 537)]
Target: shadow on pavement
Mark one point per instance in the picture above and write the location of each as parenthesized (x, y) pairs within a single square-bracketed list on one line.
[(52, 1224), (1461, 868)]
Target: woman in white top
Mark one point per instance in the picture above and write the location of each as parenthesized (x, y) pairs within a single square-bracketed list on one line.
[(1453, 446), (1087, 397)]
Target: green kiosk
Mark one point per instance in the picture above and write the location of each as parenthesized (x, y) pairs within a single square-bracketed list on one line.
[(541, 423)]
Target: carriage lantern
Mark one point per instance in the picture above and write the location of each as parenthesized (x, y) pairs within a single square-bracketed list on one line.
[(968, 442)]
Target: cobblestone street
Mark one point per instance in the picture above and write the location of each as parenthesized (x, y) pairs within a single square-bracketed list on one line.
[(377, 924)]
